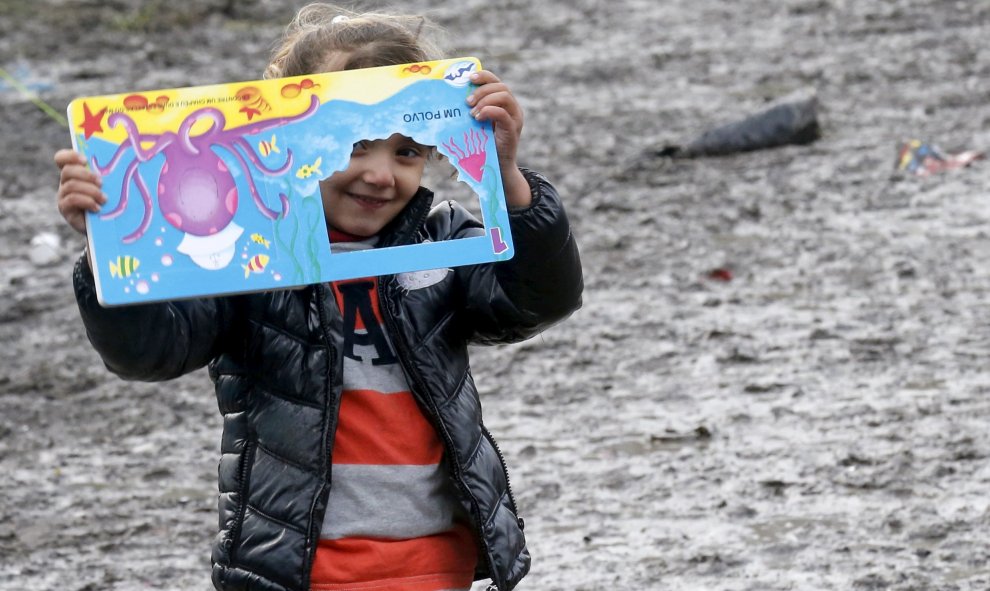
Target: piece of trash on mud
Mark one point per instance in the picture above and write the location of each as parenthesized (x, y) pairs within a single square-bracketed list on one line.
[(720, 274), (764, 387), (670, 436), (775, 486), (21, 76), (792, 120), (922, 158), (46, 249)]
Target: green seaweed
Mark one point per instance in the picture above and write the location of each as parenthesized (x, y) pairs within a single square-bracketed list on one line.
[(287, 244), (313, 243)]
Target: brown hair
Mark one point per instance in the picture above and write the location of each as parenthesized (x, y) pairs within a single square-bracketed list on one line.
[(321, 32)]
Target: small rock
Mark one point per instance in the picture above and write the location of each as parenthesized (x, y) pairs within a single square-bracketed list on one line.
[(46, 249)]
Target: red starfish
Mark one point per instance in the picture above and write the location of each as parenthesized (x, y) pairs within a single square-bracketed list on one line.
[(250, 112), (92, 123)]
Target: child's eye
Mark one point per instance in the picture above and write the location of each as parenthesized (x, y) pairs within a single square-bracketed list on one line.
[(409, 152), (360, 146)]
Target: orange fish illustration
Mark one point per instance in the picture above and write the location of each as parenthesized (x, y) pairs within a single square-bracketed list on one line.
[(257, 264), (268, 147)]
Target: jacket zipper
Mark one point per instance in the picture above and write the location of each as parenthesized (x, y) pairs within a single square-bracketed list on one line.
[(441, 428), (505, 469), (314, 532), (243, 473), (332, 427)]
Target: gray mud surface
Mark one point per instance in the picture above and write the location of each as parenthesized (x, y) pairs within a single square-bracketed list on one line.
[(818, 421)]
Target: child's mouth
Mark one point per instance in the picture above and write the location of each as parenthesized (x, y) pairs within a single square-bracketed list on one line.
[(367, 201)]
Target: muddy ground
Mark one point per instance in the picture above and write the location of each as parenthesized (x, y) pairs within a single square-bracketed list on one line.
[(814, 415)]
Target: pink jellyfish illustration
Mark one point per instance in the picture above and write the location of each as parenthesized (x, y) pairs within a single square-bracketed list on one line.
[(471, 159), (196, 191)]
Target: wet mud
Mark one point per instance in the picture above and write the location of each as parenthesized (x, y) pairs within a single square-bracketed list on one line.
[(778, 378)]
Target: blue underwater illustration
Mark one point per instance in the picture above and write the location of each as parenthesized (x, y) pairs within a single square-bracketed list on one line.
[(224, 197)]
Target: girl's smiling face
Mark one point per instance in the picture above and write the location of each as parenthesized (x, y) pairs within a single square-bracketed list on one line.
[(378, 183)]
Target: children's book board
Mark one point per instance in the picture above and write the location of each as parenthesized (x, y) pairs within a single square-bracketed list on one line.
[(215, 189)]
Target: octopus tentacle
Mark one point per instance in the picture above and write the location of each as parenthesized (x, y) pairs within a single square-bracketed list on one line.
[(249, 152), (265, 211), (134, 139), (146, 218), (206, 113), (124, 193), (253, 128), (131, 173)]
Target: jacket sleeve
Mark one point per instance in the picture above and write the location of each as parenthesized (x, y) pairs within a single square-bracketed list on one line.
[(149, 342), (540, 285)]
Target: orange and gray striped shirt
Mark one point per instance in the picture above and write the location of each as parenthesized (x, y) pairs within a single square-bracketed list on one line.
[(392, 522)]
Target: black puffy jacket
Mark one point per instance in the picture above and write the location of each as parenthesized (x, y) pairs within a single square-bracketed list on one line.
[(276, 363)]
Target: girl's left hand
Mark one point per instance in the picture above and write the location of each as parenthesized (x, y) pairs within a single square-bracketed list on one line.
[(493, 101)]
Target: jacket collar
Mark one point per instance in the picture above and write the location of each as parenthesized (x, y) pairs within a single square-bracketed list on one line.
[(403, 229)]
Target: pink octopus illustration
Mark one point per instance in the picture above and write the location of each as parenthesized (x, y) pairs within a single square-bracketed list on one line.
[(196, 191), (472, 158)]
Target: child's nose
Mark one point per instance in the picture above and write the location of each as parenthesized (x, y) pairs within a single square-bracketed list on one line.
[(378, 171)]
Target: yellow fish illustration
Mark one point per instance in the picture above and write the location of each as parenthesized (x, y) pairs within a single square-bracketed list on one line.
[(307, 170), (268, 147), (255, 265), (123, 267), (259, 239)]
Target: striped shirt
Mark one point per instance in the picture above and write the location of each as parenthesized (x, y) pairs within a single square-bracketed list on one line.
[(391, 522)]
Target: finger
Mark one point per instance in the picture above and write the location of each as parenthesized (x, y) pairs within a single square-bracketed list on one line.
[(497, 115), (74, 208), (482, 92), (507, 119), (76, 189), (79, 203), (502, 99), (65, 157), (485, 83), (80, 172), (484, 77)]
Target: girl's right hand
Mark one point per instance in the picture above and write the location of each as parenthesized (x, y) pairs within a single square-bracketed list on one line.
[(78, 189)]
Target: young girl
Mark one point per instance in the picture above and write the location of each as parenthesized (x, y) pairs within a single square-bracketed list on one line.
[(354, 455)]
